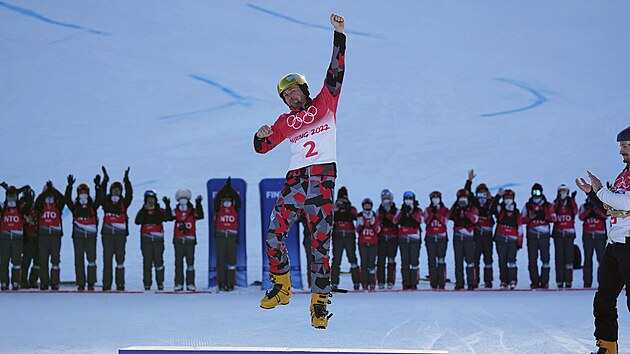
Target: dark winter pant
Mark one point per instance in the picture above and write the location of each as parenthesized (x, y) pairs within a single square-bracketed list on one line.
[(387, 250), (184, 248), (563, 244), (538, 243), (85, 247), (31, 253), (410, 260), (614, 274), (344, 240), (592, 241), (114, 246), (483, 246), (312, 194), (436, 251), (152, 256), (227, 247), (10, 252), (506, 249), (49, 249), (368, 265), (464, 249)]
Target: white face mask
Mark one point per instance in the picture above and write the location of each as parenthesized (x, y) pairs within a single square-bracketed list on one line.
[(115, 198), (482, 201), (409, 202), (83, 198), (50, 200), (387, 202), (509, 202), (11, 203), (183, 207), (564, 195), (462, 201), (537, 200), (227, 203), (435, 201), (183, 201)]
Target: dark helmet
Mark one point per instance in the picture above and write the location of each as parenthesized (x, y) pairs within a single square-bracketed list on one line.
[(386, 193), (150, 193), (463, 193), (481, 188), (116, 185), (508, 193), (624, 135), (367, 201), (83, 187), (435, 194), (342, 193)]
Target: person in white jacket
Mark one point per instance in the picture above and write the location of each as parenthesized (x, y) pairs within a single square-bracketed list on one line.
[(615, 267)]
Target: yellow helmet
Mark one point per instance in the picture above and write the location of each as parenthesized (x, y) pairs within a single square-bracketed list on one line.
[(290, 80)]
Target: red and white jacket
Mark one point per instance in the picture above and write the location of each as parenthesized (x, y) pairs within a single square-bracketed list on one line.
[(435, 219), (538, 223), (344, 218), (465, 219), (226, 219), (369, 226), (312, 130), (594, 220), (31, 227), (409, 223), (388, 225), (89, 224), (565, 212), (50, 217), (12, 222), (509, 223)]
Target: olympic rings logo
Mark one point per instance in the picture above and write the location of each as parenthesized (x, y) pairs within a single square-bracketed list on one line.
[(296, 121)]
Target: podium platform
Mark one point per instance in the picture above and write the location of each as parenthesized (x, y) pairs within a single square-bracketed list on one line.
[(255, 350)]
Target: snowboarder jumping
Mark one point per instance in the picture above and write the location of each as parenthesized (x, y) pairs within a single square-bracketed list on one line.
[(310, 126)]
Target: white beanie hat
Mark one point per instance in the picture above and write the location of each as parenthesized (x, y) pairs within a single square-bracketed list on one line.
[(183, 193)]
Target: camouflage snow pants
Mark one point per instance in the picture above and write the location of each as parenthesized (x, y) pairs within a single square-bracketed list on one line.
[(309, 189)]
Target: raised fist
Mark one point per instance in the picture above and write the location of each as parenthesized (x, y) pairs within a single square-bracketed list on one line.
[(126, 178), (338, 22), (97, 180), (198, 199)]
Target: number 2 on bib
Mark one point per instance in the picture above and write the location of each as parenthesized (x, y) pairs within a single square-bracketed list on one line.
[(311, 151)]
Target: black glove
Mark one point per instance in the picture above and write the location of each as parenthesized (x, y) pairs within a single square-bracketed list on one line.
[(573, 194), (126, 178), (97, 180), (166, 201), (71, 180), (198, 199), (4, 185), (406, 209), (49, 186), (105, 175), (183, 228)]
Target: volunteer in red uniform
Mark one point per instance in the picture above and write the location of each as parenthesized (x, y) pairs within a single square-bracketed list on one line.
[(409, 221), (563, 235), (227, 206), (593, 238), (436, 239), (465, 217), (115, 228), (387, 241), (344, 239), (538, 214), (483, 234), (185, 237), (84, 230), (151, 219), (31, 247), (368, 228), (12, 237), (49, 207), (508, 236), (311, 129)]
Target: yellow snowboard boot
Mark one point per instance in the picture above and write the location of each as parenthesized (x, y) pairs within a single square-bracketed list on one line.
[(319, 311), (280, 294), (606, 347)]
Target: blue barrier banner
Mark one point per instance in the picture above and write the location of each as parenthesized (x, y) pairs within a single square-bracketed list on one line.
[(270, 189), (213, 187)]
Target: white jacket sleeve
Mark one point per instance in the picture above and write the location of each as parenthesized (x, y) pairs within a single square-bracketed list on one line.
[(619, 201)]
